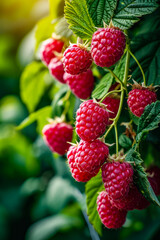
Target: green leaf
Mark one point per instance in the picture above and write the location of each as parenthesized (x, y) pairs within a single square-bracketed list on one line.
[(48, 227), (141, 177), (32, 84), (149, 120), (128, 12), (146, 48), (103, 86), (42, 32), (78, 18), (40, 116), (101, 10), (59, 193), (125, 141), (92, 188)]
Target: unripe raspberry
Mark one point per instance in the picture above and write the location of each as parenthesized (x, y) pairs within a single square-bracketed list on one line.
[(110, 216), (50, 46), (56, 69), (91, 120), (91, 155), (57, 136), (112, 105), (77, 59), (81, 85), (107, 46), (78, 175), (133, 200), (117, 178), (154, 179), (138, 99)]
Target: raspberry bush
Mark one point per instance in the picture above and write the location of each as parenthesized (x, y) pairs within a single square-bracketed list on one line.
[(99, 57)]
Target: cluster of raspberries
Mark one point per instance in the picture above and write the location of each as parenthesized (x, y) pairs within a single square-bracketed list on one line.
[(121, 194), (73, 68)]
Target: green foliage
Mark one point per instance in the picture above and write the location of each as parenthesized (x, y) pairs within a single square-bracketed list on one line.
[(32, 84), (79, 20), (59, 193), (146, 47), (92, 188), (40, 116), (103, 86), (101, 10), (128, 12), (141, 176), (149, 120), (48, 227), (125, 141)]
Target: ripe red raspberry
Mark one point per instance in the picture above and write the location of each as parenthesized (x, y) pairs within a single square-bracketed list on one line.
[(78, 175), (107, 46), (138, 99), (56, 69), (133, 200), (113, 106), (77, 59), (81, 84), (91, 155), (154, 179), (57, 136), (110, 216), (50, 46), (117, 178), (91, 120)]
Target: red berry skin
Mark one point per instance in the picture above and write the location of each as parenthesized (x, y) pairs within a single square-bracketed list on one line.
[(50, 46), (56, 69), (110, 216), (77, 174), (91, 120), (138, 99), (107, 46), (77, 59), (112, 105), (154, 179), (133, 200), (91, 155), (57, 136), (81, 85), (117, 178)]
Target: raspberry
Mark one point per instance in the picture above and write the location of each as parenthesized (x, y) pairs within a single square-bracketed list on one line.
[(138, 99), (110, 216), (91, 155), (57, 136), (76, 59), (113, 106), (154, 179), (91, 120), (56, 69), (50, 46), (133, 200), (81, 84), (117, 178), (78, 175), (107, 46)]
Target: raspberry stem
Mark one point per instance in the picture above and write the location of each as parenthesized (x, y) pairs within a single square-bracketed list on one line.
[(109, 93), (139, 65), (114, 75), (114, 124)]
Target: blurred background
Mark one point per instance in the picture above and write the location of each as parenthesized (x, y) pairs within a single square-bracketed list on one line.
[(39, 200)]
